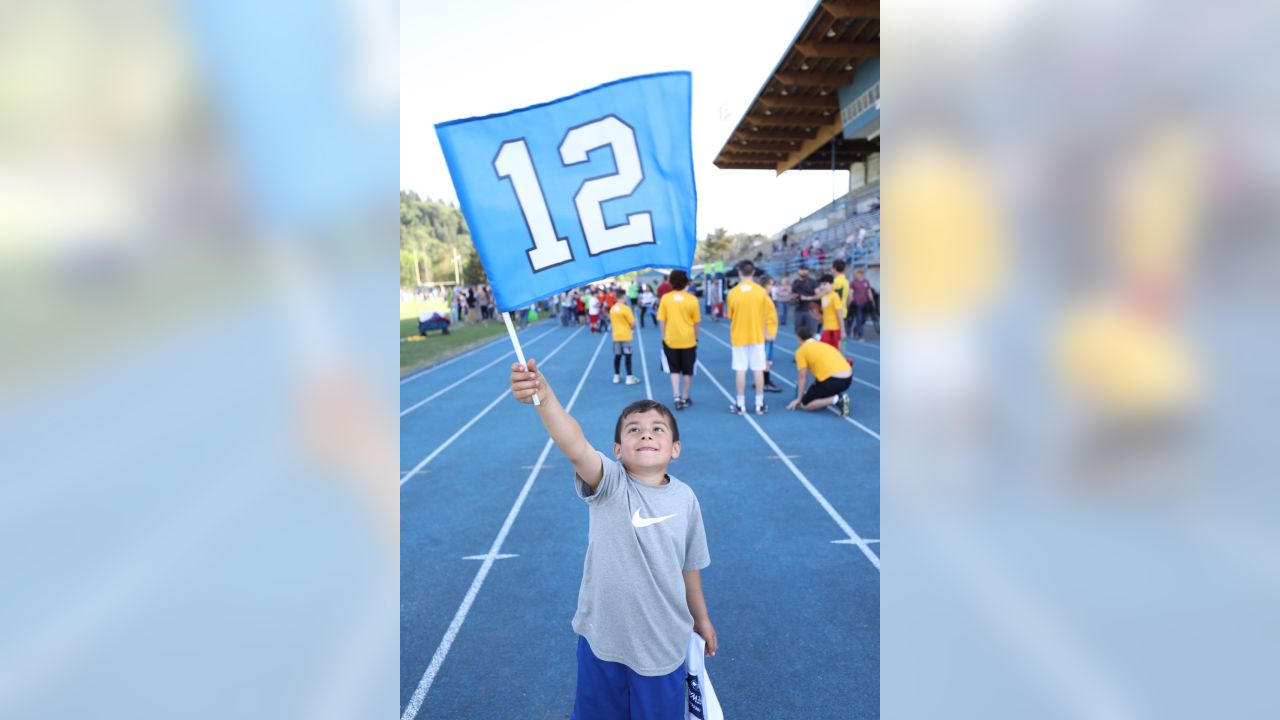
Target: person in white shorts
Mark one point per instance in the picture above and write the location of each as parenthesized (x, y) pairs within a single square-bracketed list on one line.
[(752, 320)]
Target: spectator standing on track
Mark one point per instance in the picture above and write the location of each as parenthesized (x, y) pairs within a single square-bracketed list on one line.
[(861, 302), (641, 590), (782, 299), (633, 293), (593, 311), (803, 292), (678, 320), (647, 301), (832, 373), (665, 287), (566, 309), (752, 320), (832, 312), (715, 296), (769, 287), (623, 322), (841, 283)]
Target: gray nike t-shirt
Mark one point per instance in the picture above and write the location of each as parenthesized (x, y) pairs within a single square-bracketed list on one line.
[(631, 605)]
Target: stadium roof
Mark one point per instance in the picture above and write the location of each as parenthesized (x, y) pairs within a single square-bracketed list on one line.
[(796, 114)]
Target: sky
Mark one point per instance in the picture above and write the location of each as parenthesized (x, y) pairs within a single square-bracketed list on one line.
[(456, 62)]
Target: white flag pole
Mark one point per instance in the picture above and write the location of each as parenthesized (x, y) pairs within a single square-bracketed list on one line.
[(506, 316)]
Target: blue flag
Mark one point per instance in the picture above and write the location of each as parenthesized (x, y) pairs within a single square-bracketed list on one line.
[(592, 185)]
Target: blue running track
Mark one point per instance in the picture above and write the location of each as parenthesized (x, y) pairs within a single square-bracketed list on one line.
[(493, 537)]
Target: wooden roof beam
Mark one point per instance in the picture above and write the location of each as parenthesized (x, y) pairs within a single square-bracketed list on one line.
[(776, 121), (814, 79), (849, 9), (828, 103), (839, 49)]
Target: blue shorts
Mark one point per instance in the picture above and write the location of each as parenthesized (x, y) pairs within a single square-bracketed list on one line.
[(613, 691), (768, 350)]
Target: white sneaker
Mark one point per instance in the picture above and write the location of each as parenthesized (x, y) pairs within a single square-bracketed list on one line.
[(617, 379), (633, 380)]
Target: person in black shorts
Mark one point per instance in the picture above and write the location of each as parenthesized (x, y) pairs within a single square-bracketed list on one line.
[(678, 320)]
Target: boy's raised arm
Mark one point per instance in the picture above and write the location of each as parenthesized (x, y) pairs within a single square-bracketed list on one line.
[(563, 429)]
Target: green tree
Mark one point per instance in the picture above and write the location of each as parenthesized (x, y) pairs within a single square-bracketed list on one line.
[(717, 245), (473, 270)]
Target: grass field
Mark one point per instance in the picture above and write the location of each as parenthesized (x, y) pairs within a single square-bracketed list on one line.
[(417, 351)]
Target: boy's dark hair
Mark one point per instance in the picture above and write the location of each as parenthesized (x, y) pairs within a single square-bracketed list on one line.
[(746, 268), (826, 278), (838, 265), (804, 333), (679, 279), (640, 406), (765, 280)]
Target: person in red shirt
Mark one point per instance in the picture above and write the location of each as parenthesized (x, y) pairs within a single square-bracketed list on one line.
[(664, 288)]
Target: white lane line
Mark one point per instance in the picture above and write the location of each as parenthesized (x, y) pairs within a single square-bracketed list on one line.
[(853, 536), (644, 366), (475, 372), (450, 361), (424, 685), (776, 374), (473, 420), (873, 361)]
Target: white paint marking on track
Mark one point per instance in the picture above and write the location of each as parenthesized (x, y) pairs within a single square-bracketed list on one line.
[(473, 420), (854, 538), (450, 361), (486, 557), (873, 361), (831, 408), (428, 677), (475, 372), (776, 346), (644, 366)]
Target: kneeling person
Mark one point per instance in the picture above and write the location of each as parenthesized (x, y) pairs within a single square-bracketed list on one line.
[(833, 375)]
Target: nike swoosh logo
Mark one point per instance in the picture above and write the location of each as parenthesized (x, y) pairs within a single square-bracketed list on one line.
[(646, 522)]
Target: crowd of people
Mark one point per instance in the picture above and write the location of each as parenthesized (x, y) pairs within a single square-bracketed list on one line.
[(824, 308)]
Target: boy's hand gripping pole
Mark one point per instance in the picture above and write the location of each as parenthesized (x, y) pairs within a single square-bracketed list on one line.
[(506, 317)]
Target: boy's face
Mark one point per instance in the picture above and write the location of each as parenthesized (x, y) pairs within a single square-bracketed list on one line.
[(646, 442), (824, 288)]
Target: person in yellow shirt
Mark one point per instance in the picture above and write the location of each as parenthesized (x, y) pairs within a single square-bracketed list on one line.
[(752, 320), (678, 320), (841, 283), (832, 372), (623, 322), (841, 287), (832, 312)]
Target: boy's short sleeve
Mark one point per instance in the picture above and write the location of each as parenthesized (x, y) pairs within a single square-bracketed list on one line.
[(696, 554), (613, 477)]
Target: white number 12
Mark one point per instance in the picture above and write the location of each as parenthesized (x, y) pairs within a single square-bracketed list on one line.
[(513, 162)]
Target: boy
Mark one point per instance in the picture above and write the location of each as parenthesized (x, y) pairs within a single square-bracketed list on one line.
[(832, 312), (593, 311), (841, 288), (752, 320), (833, 373), (767, 283), (641, 589), (622, 320), (678, 321)]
